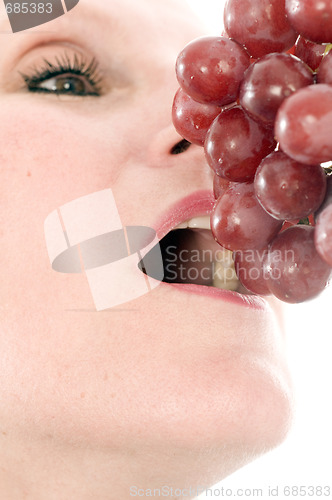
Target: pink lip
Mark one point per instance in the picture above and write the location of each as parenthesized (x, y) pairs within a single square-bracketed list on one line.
[(195, 205), (252, 301)]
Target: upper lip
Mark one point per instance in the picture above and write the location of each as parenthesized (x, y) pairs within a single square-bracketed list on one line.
[(194, 205)]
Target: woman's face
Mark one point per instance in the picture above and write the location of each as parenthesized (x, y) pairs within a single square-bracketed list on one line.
[(179, 374)]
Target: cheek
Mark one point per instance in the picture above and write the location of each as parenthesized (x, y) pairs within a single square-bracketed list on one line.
[(54, 153), (50, 153), (41, 150), (48, 156), (97, 387)]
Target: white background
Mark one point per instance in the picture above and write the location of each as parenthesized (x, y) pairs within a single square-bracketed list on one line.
[(304, 459)]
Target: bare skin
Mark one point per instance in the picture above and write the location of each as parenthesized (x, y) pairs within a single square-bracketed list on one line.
[(173, 389)]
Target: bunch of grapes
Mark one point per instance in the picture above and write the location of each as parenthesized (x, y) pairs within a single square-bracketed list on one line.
[(259, 100)]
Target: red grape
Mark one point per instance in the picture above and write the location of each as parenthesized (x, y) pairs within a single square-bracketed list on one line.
[(238, 222), (219, 185), (324, 73), (328, 196), (236, 144), (295, 270), (287, 189), (210, 69), (192, 119), (323, 234), (303, 124), (250, 269), (269, 81), (311, 18), (310, 52), (323, 228), (240, 95), (260, 25)]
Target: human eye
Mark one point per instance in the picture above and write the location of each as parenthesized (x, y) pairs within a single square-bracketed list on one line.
[(66, 76)]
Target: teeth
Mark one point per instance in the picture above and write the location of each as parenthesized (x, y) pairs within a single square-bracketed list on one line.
[(200, 222), (183, 225), (225, 257), (224, 275), (196, 222), (226, 285)]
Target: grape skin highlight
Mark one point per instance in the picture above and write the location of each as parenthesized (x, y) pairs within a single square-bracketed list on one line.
[(261, 26), (238, 222), (296, 271), (250, 269), (311, 18), (236, 144), (210, 69), (269, 81), (323, 235), (191, 118), (303, 125), (287, 189)]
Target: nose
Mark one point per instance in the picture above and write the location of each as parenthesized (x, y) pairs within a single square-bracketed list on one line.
[(180, 147), (168, 149)]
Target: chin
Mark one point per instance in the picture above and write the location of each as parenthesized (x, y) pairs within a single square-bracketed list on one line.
[(189, 380), (219, 393), (207, 388)]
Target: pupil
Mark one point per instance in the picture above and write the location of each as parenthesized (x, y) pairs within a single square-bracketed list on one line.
[(70, 85)]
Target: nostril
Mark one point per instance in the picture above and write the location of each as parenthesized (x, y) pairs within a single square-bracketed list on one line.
[(180, 147)]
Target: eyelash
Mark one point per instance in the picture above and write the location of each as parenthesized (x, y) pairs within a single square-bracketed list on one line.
[(78, 67)]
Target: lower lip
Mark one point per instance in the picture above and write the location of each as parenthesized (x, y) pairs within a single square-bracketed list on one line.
[(250, 301)]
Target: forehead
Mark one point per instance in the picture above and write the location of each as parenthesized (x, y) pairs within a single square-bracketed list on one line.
[(120, 30), (159, 16)]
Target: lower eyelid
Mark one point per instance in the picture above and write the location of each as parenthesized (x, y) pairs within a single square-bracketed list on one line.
[(36, 84)]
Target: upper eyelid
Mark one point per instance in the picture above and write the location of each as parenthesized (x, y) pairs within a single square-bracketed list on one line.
[(114, 69), (27, 59), (64, 65), (68, 61), (40, 43)]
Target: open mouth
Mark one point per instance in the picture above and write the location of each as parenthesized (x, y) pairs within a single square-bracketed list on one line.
[(192, 256)]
